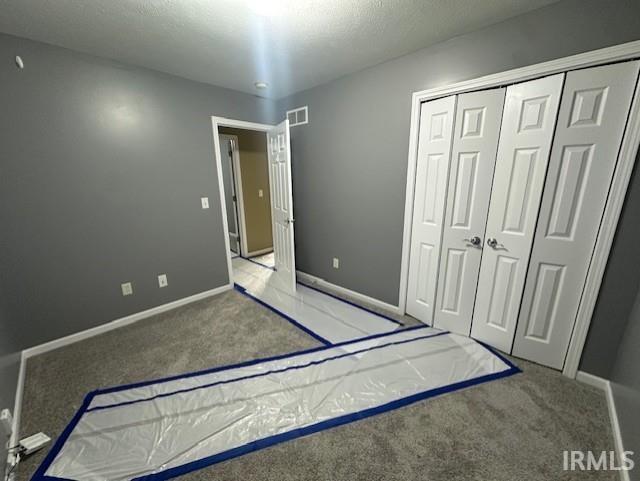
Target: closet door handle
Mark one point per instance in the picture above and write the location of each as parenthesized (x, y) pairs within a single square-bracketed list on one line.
[(474, 241), (491, 242)]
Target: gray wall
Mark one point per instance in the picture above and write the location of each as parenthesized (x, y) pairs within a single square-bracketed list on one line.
[(620, 286), (612, 349), (350, 161), (102, 167), (625, 383)]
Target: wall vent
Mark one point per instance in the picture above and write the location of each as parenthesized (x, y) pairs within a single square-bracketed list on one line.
[(298, 116)]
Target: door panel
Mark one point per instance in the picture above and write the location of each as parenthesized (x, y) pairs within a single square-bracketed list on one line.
[(523, 152), (432, 170), (475, 142), (594, 109), (228, 180), (279, 152)]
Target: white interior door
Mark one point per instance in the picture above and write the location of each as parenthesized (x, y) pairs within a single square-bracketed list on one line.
[(228, 178), (432, 170), (282, 205), (527, 130), (475, 143), (594, 109)]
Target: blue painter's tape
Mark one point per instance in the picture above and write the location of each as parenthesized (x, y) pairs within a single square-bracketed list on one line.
[(266, 373), (353, 304), (324, 341), (51, 456), (271, 268), (282, 437), (328, 424), (251, 362), (39, 475)]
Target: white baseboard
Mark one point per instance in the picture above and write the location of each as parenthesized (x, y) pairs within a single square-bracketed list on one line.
[(17, 410), (605, 385), (124, 321), (82, 335), (313, 280), (260, 252)]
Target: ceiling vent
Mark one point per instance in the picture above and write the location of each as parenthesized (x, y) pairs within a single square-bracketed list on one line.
[(298, 116)]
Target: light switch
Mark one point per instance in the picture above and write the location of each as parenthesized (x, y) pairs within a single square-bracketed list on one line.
[(260, 194), (205, 202), (162, 280), (336, 263)]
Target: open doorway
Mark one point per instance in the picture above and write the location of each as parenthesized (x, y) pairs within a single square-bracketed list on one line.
[(254, 178), (245, 171)]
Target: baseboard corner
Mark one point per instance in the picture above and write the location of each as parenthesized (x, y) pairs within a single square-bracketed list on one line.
[(605, 385)]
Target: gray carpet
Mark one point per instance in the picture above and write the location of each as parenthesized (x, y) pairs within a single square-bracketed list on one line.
[(511, 429)]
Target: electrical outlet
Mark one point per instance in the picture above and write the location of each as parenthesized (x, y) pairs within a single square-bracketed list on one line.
[(205, 202), (162, 280), (260, 193), (336, 263), (127, 289), (6, 423)]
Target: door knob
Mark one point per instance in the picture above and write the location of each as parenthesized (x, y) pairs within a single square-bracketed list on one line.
[(474, 241), (492, 242)]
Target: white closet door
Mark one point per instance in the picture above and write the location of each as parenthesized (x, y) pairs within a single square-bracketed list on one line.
[(475, 142), (432, 169), (523, 154), (594, 109)]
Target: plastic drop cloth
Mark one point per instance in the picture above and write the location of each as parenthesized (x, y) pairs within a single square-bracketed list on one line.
[(328, 319), (161, 429)]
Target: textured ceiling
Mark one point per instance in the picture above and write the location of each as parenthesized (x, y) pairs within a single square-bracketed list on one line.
[(291, 44)]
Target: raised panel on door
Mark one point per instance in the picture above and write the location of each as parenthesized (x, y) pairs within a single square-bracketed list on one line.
[(475, 142), (279, 153), (593, 112), (432, 170), (526, 134)]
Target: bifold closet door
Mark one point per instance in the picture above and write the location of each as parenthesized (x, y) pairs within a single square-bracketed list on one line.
[(473, 158), (593, 113), (432, 169), (527, 130)]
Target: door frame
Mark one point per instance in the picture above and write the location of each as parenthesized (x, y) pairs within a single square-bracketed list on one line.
[(617, 192), (216, 123)]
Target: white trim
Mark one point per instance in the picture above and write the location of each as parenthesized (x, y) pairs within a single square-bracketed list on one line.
[(241, 124), (618, 189), (123, 321), (591, 380), (86, 334), (259, 252), (317, 281), (217, 122), (605, 385), (17, 410)]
